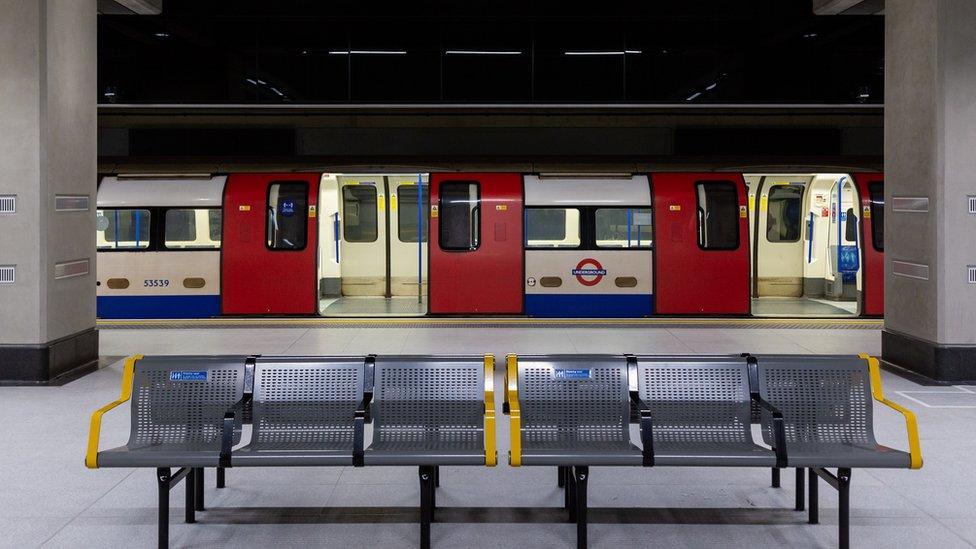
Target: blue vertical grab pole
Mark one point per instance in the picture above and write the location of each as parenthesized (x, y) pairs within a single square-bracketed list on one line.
[(629, 222), (420, 238), (138, 226)]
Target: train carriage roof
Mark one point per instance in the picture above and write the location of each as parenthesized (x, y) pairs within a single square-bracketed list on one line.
[(565, 191), (123, 192)]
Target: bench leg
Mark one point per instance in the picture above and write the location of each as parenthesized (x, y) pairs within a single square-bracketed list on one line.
[(426, 504), (580, 477), (844, 496), (191, 500), (437, 476), (198, 488), (162, 482), (221, 480), (800, 485), (814, 511), (571, 493)]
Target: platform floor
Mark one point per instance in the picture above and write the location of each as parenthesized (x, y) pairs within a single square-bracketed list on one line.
[(373, 307), (48, 498)]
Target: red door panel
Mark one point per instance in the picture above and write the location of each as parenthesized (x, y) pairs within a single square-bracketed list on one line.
[(482, 278), (265, 268), (694, 278), (872, 275)]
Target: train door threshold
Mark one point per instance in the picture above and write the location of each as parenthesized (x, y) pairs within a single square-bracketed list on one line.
[(373, 307), (802, 306)]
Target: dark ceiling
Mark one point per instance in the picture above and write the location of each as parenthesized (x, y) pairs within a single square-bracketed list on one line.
[(308, 52)]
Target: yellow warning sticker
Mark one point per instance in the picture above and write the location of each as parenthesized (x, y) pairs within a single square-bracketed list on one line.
[(433, 210), (381, 202), (244, 208), (311, 210), (501, 207), (674, 207), (752, 202), (393, 202), (867, 212), (762, 204), (743, 212)]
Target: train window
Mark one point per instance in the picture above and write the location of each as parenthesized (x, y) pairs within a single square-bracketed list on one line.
[(623, 228), (359, 213), (718, 215), (552, 228), (460, 215), (191, 229), (287, 211), (215, 219), (876, 190), (783, 213), (407, 218), (123, 229)]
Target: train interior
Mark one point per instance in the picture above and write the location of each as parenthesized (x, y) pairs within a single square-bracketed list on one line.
[(373, 245), (805, 235)]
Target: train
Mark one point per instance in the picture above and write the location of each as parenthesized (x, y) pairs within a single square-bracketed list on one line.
[(491, 243)]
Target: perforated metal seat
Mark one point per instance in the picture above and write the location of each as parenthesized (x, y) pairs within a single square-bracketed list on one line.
[(828, 411), (428, 411), (178, 405), (701, 411), (575, 410), (303, 411)]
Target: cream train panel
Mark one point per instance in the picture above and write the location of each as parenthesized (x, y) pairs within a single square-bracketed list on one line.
[(408, 259), (362, 249), (171, 284), (589, 283)]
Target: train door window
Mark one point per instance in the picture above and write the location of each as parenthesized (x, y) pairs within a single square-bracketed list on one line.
[(783, 213), (623, 227), (552, 228), (718, 215), (287, 225), (359, 213), (191, 229), (123, 229), (876, 190), (408, 218), (460, 215)]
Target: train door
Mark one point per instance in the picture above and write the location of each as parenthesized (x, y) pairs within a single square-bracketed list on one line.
[(268, 265), (870, 186), (373, 257), (701, 250), (476, 262)]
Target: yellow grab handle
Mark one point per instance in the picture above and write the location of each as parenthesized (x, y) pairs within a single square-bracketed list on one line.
[(491, 451), (94, 430), (514, 413), (911, 423)]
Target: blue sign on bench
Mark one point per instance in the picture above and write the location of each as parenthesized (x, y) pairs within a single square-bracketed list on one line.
[(188, 376), (572, 374)]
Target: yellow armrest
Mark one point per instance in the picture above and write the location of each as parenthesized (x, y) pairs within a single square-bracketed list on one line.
[(491, 452), (91, 459), (514, 413), (914, 447)]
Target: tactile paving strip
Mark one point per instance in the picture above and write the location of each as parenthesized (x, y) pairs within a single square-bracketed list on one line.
[(717, 323)]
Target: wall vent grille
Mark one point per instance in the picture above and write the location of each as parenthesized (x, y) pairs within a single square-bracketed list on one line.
[(8, 274), (972, 274), (71, 203), (8, 203), (972, 204)]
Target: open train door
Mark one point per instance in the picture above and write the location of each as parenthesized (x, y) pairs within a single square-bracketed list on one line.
[(701, 248), (268, 265), (475, 243), (870, 188)]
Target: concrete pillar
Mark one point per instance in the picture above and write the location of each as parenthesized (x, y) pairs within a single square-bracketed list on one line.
[(930, 171), (47, 175)]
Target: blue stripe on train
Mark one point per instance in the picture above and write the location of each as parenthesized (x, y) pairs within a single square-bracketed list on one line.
[(589, 305), (158, 306)]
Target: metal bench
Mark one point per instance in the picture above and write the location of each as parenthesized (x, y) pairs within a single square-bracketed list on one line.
[(573, 412), (827, 403), (190, 412), (177, 410), (430, 411)]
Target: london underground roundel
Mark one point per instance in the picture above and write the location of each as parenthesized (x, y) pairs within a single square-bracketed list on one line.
[(589, 272)]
